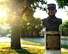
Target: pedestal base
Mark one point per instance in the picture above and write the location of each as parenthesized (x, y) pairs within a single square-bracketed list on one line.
[(53, 52), (52, 42)]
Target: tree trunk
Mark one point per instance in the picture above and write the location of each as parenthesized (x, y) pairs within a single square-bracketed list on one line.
[(15, 31), (15, 38)]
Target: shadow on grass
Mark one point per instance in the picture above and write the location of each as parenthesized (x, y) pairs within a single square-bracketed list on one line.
[(22, 51)]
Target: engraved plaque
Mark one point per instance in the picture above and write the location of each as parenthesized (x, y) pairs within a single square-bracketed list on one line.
[(53, 41)]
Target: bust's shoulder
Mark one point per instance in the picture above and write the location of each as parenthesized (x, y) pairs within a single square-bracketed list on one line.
[(44, 19), (59, 19)]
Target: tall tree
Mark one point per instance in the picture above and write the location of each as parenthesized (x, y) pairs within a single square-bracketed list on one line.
[(17, 10), (19, 7)]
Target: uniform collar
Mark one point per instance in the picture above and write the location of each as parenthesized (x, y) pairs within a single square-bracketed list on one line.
[(49, 18)]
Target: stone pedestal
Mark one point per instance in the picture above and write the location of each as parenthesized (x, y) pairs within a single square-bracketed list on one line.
[(52, 42)]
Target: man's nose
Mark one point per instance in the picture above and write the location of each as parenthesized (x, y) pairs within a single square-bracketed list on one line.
[(51, 10)]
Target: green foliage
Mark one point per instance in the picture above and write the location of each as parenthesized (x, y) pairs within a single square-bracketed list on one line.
[(33, 3), (30, 25), (38, 4), (64, 28), (62, 3)]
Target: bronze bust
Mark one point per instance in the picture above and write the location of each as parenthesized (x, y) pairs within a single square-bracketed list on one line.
[(52, 24)]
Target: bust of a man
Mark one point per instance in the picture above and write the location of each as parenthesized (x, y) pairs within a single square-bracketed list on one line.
[(51, 22)]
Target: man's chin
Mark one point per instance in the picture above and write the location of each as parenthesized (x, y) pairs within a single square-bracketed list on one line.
[(51, 15)]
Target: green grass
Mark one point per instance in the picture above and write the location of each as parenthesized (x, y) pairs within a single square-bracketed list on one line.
[(64, 53), (5, 49), (4, 45), (24, 50), (32, 43), (33, 50)]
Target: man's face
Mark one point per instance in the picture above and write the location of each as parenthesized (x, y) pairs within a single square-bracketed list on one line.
[(51, 11)]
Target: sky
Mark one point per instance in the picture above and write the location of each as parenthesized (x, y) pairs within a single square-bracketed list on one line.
[(60, 12)]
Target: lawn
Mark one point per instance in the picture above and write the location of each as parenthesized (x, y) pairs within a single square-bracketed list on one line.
[(5, 49)]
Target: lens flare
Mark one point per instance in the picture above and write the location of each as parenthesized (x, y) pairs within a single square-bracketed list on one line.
[(2, 13)]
